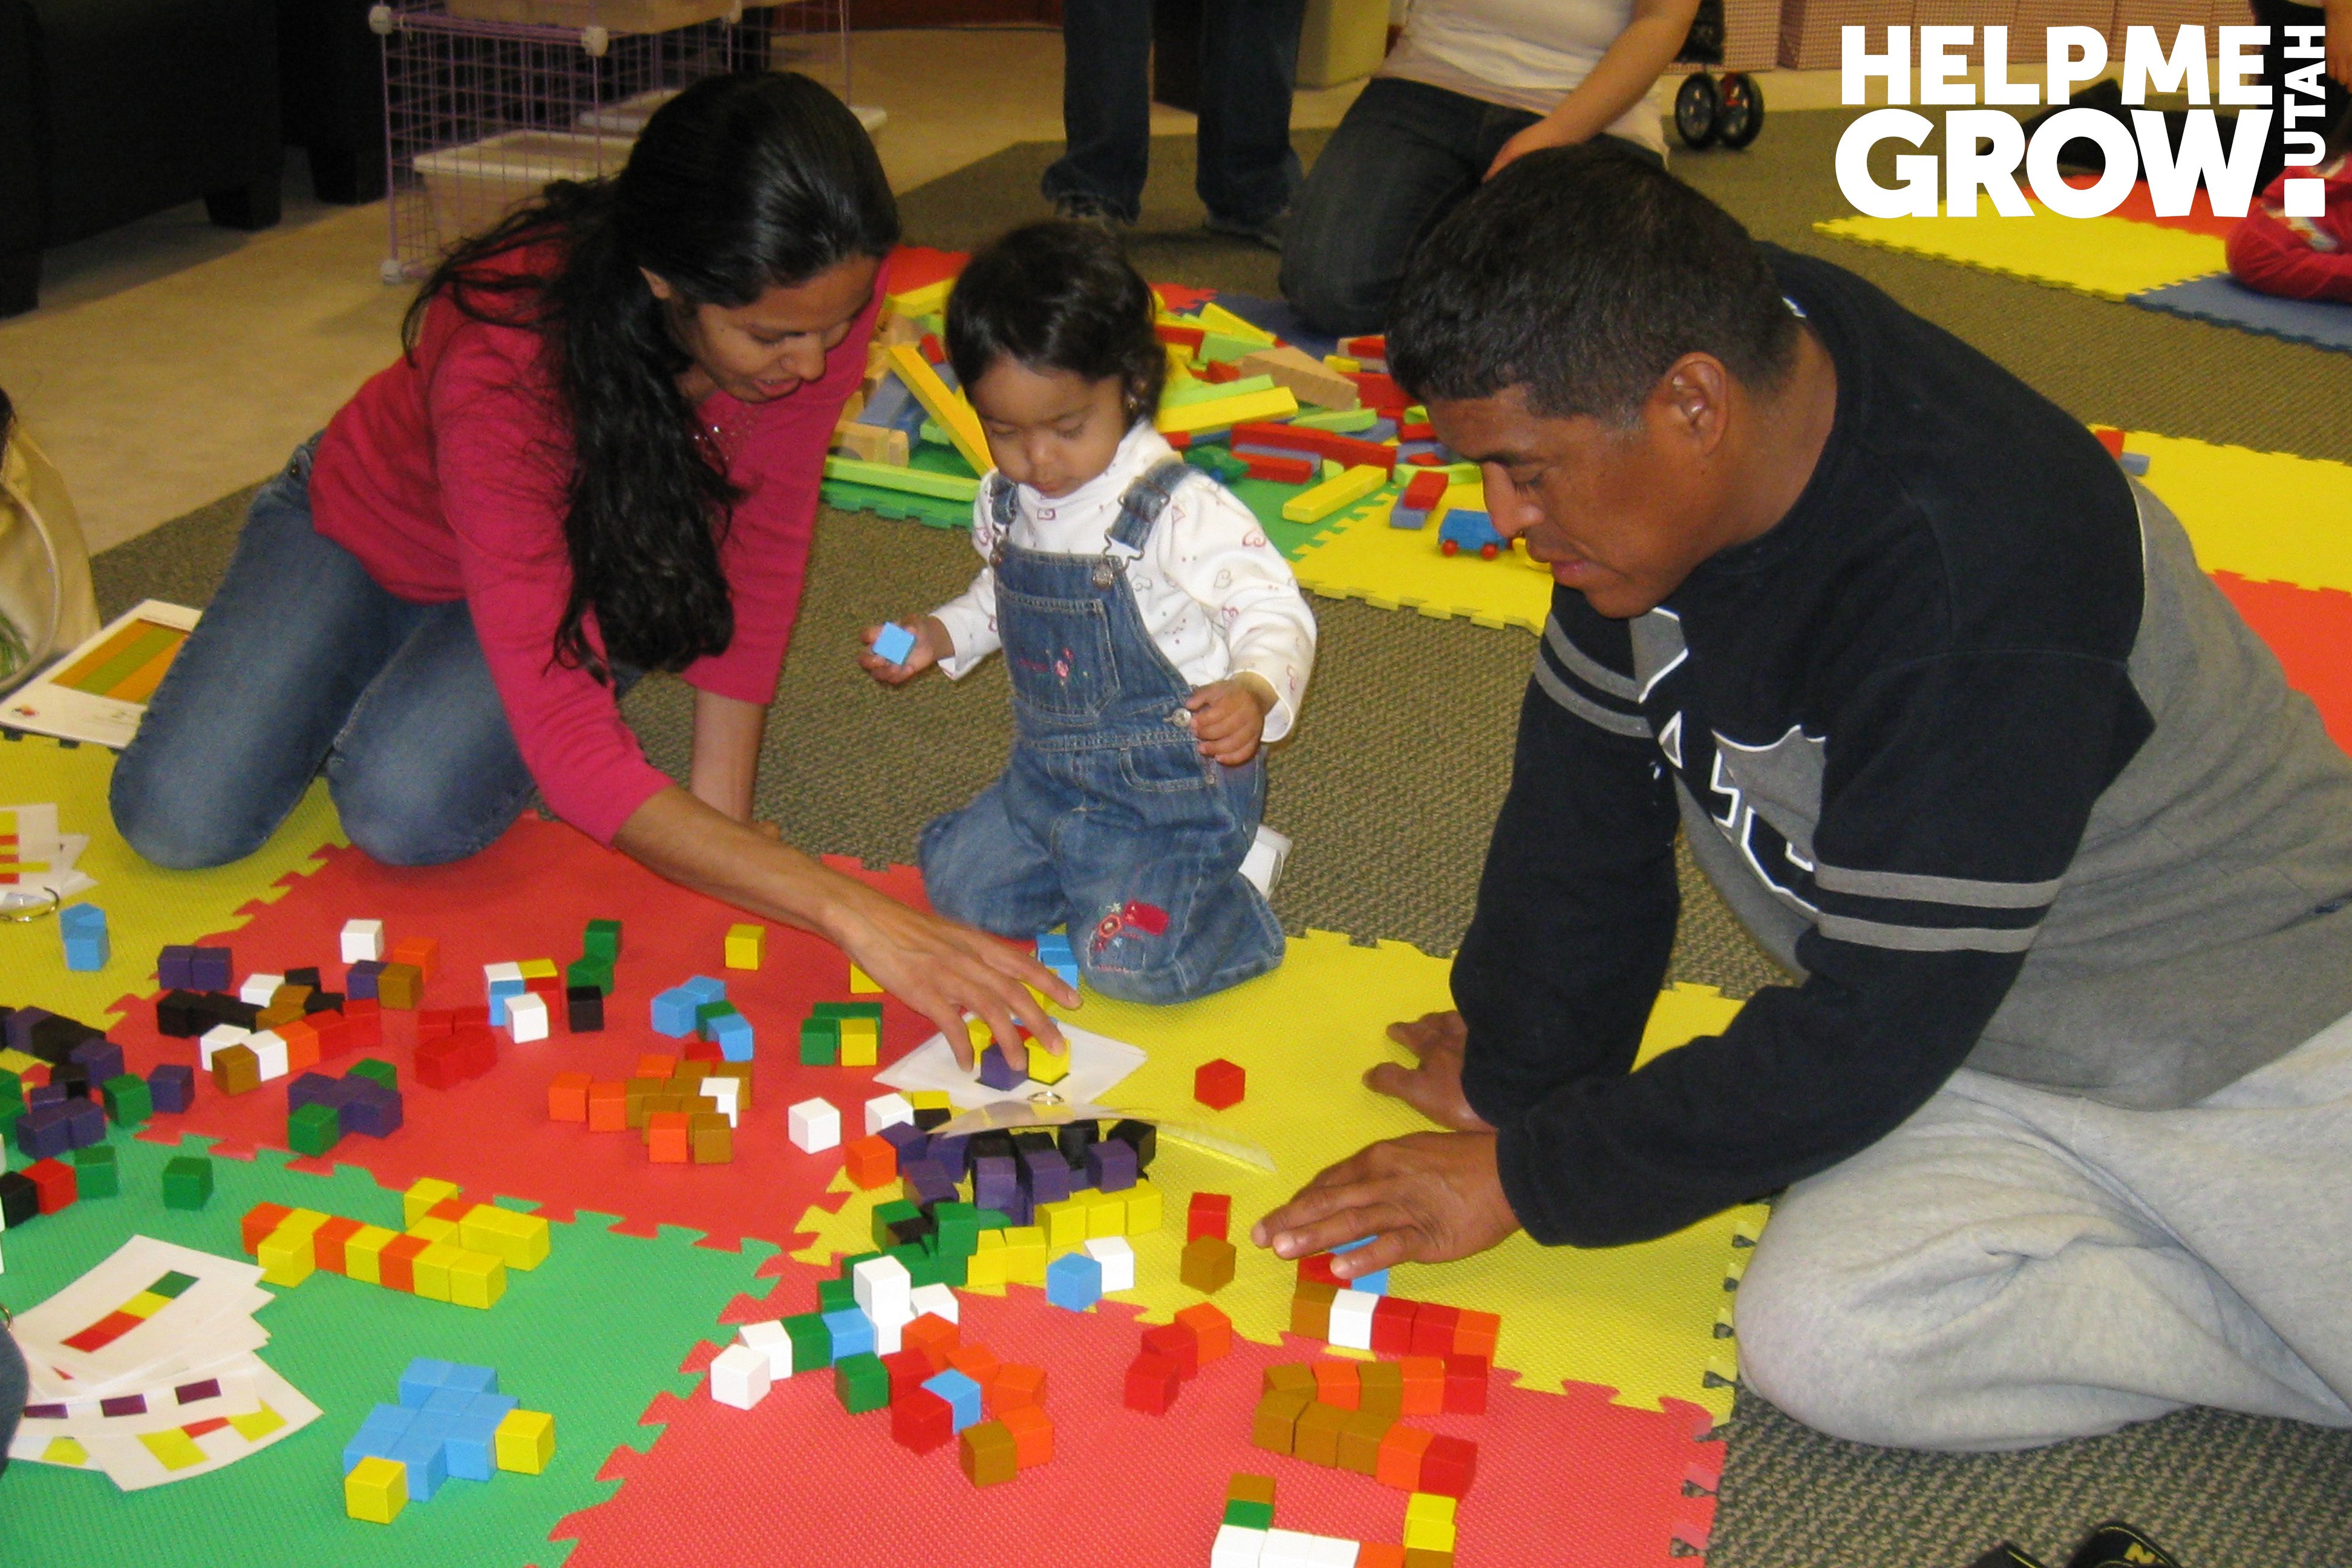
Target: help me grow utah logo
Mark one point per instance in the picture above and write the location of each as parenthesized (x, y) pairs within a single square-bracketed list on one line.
[(1983, 147)]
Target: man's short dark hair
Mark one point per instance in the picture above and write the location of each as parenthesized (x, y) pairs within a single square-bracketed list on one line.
[(1582, 274)]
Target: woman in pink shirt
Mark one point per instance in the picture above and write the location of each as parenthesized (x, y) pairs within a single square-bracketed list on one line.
[(599, 456)]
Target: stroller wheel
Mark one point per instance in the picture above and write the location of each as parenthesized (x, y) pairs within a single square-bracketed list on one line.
[(1742, 117), (1696, 110)]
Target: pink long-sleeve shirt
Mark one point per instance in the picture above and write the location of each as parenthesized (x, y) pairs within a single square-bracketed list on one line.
[(446, 474)]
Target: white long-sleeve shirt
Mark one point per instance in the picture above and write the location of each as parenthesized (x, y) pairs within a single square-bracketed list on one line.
[(1215, 596)]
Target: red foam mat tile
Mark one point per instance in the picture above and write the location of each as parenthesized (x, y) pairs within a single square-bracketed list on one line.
[(2310, 629), (1566, 1481), (527, 897)]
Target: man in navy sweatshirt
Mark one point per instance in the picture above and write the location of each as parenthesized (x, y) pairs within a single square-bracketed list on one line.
[(2061, 1097)]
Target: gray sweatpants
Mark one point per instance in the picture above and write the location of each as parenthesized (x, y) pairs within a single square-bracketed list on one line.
[(2013, 1266)]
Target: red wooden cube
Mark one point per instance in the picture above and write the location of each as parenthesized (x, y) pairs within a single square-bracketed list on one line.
[(1175, 1342), (362, 1024), (1432, 1329), (1392, 1325), (1220, 1085), (1448, 1465), (440, 1063), (1465, 1386), (922, 1421), (909, 1368), (1208, 1214), (54, 1181), (1151, 1383)]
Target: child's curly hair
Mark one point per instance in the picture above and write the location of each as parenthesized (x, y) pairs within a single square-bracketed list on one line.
[(1059, 296)]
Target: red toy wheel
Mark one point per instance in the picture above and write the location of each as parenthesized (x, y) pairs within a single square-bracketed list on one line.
[(1488, 551), (1449, 548)]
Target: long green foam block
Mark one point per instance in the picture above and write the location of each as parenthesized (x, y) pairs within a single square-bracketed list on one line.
[(1203, 391), (920, 482), (1339, 421)]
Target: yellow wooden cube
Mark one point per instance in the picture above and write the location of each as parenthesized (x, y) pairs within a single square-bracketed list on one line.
[(432, 1227), (1046, 1067), (746, 946), (1106, 1214), (287, 1255), (1025, 1254), (475, 1279), (861, 1040), (1065, 1224), (376, 1489), (363, 1254), (930, 1100), (1428, 1535), (985, 1270), (525, 1441), (419, 1199), (433, 1270), (538, 969), (861, 984), (1145, 1210), (518, 1240)]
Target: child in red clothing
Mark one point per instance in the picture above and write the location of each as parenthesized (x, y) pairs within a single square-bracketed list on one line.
[(2298, 257)]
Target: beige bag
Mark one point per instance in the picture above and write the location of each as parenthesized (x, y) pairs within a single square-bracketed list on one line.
[(46, 606)]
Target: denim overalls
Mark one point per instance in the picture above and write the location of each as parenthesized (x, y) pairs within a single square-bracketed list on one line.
[(1106, 817)]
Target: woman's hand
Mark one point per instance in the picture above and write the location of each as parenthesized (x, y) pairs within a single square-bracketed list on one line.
[(1434, 1087), (1546, 133), (944, 971), (1229, 717), (932, 644)]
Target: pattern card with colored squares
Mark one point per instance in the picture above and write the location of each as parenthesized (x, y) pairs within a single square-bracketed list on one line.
[(98, 692)]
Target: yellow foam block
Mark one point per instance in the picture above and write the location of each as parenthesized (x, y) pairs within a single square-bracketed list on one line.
[(953, 413), (1342, 490), (1218, 320), (1362, 557), (1639, 1320), (2266, 515), (2112, 257), (1216, 413)]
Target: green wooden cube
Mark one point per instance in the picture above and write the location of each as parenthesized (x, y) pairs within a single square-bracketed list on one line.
[(820, 1042), (861, 1382), (811, 1342), (834, 1295), (601, 940), (96, 1172), (891, 1214), (383, 1071), (1250, 1515), (591, 971), (847, 1010), (127, 1102), (709, 1013), (994, 1219), (314, 1128), (958, 1231), (187, 1182)]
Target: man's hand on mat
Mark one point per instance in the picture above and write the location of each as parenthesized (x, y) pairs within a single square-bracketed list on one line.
[(944, 971), (1435, 1087), (1424, 1198)]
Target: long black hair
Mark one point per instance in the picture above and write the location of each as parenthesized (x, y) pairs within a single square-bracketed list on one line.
[(738, 184), (1058, 296)]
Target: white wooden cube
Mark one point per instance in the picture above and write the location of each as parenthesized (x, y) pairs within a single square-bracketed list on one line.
[(889, 1329), (813, 1126), (270, 1050), (494, 973), (1118, 1260), (888, 1111), (883, 1289), (739, 1377), (1351, 1319), (218, 1038), (939, 1300), (258, 989), (1238, 1546), (363, 942), (770, 1340), (729, 1093), (526, 1016)]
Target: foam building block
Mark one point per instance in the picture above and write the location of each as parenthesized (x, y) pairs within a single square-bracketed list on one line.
[(894, 642)]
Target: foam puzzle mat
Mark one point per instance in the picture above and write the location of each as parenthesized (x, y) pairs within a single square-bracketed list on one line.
[(2112, 258), (2226, 302)]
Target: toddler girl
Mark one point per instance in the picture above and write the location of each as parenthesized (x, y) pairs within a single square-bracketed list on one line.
[(1155, 640)]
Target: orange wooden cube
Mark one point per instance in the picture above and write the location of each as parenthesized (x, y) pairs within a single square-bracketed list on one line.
[(934, 1336), (1372, 1554), (607, 1107), (870, 1162), (301, 1044), (567, 1096), (1424, 1384), (1336, 1384), (1399, 1461), (976, 1361), (327, 1243), (1033, 1434), (453, 1209), (1475, 1333), (669, 1137), (1015, 1385), (1214, 1332), (656, 1067), (422, 954)]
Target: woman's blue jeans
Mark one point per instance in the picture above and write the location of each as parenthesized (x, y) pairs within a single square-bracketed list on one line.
[(301, 664)]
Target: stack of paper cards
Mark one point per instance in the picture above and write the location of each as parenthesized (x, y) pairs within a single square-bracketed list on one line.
[(1097, 1063), (145, 1368), (36, 861)]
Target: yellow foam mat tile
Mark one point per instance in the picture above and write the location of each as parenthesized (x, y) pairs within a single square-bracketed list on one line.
[(145, 905), (1639, 1320), (2270, 517), (2112, 258), (1402, 568)]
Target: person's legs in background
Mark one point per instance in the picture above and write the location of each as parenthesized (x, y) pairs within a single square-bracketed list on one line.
[(1249, 66), (1404, 155), (1106, 110)]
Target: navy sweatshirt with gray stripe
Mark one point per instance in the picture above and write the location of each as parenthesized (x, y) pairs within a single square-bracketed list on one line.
[(1969, 743)]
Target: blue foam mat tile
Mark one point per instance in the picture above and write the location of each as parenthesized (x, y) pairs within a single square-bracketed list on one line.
[(2223, 301)]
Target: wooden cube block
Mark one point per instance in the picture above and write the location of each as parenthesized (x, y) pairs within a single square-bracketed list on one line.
[(567, 1096), (1208, 1264)]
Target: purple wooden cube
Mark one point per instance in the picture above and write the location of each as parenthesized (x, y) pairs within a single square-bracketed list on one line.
[(18, 1029), (1111, 1165), (359, 980), (927, 1183), (102, 1057), (42, 1132), (995, 1183), (175, 969), (1045, 1176), (85, 1124), (314, 1088), (209, 968), (49, 1093), (997, 1073), (172, 1086), (908, 1141), (370, 1108), (951, 1154)]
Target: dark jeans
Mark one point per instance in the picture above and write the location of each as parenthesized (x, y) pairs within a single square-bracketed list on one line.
[(1249, 59), (1405, 155), (13, 1387), (2278, 16), (301, 662)]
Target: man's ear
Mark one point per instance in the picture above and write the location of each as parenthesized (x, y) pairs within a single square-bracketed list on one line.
[(1692, 399)]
